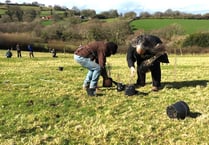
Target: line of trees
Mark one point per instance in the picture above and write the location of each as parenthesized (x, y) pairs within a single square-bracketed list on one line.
[(15, 13)]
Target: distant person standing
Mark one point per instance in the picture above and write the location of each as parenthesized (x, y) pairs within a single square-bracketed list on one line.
[(54, 53), (18, 50), (30, 51)]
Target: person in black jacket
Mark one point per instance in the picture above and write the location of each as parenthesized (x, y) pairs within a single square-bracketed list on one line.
[(147, 51)]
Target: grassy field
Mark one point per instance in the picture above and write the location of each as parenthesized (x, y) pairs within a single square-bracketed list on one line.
[(188, 25), (41, 105)]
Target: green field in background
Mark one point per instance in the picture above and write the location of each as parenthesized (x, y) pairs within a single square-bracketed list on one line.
[(188, 25)]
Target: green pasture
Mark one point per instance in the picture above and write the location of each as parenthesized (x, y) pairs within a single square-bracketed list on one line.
[(45, 13), (30, 8), (2, 11), (188, 25), (41, 105), (46, 22)]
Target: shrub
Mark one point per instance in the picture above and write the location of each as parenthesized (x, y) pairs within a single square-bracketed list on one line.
[(197, 39)]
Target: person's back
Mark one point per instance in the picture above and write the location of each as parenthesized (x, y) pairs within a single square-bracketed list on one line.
[(93, 57)]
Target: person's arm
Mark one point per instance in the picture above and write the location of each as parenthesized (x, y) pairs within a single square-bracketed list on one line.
[(130, 57)]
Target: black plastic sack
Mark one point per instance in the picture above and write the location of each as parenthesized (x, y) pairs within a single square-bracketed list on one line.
[(120, 87), (178, 110), (130, 90), (61, 68)]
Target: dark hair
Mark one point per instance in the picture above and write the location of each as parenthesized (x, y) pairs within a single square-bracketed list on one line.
[(112, 47)]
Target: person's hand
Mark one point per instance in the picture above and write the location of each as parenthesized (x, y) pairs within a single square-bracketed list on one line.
[(132, 71)]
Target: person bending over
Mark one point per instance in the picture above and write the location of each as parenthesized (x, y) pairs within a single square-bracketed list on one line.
[(147, 51), (93, 57)]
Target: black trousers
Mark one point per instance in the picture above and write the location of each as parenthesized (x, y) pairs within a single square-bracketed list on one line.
[(155, 73)]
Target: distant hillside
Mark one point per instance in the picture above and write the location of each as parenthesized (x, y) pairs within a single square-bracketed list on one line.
[(188, 25), (57, 27)]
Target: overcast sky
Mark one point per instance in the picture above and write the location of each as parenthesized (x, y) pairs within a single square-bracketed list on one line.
[(188, 6)]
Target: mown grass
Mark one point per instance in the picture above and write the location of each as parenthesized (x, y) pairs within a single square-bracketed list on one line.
[(188, 25), (41, 105)]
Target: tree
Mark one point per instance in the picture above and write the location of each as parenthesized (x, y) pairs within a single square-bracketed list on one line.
[(110, 14), (130, 15), (113, 13), (158, 15), (145, 15), (29, 15), (35, 3), (7, 1), (76, 11), (15, 12), (88, 13), (10, 13)]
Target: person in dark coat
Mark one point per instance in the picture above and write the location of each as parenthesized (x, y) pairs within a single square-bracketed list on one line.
[(93, 57), (18, 50), (147, 51), (30, 49)]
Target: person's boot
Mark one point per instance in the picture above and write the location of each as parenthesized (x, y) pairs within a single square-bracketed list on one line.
[(91, 91)]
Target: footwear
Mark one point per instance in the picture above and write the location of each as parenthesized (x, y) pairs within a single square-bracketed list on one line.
[(155, 89), (91, 91)]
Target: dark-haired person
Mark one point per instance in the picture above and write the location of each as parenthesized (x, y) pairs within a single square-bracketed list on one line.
[(147, 50), (93, 57)]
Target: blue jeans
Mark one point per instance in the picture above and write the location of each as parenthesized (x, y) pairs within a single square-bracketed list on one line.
[(94, 72)]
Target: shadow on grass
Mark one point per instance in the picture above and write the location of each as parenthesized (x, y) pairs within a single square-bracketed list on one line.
[(143, 93), (181, 84), (137, 93), (194, 114)]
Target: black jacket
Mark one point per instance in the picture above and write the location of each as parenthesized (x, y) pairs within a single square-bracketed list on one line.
[(133, 56), (149, 42)]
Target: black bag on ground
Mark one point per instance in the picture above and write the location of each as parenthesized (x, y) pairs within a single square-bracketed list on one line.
[(130, 90), (120, 87), (178, 110)]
